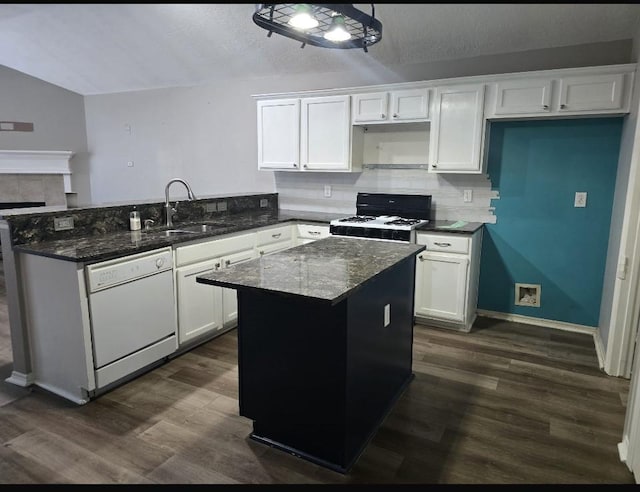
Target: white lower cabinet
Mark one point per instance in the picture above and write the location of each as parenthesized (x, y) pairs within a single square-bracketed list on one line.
[(204, 310), (230, 296), (447, 274), (274, 239), (199, 305), (307, 233)]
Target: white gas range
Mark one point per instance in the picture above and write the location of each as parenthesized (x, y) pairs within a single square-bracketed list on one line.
[(387, 216)]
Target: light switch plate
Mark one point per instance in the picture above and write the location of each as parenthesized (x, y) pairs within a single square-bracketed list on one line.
[(581, 199), (387, 314)]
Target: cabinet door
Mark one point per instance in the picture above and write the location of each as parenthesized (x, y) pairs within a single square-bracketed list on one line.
[(456, 129), (441, 286), (589, 93), (523, 96), (370, 107), (230, 296), (410, 105), (279, 134), (199, 305), (325, 133)]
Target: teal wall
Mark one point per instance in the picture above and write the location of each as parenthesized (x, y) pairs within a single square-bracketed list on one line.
[(539, 237)]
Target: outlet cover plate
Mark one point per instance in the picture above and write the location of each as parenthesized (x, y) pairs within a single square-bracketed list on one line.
[(62, 223)]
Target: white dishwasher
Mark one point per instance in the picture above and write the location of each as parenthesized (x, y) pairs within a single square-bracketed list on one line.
[(132, 313)]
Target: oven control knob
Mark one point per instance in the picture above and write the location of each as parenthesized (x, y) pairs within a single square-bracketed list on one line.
[(159, 262)]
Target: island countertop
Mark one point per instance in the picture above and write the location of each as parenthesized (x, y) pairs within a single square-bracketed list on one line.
[(326, 270)]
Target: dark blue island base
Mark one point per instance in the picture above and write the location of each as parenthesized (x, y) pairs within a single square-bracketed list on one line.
[(318, 378)]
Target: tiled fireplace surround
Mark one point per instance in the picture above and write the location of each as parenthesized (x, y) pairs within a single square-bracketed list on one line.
[(35, 176), (47, 188)]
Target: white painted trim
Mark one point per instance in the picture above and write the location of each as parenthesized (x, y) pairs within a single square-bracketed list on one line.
[(601, 352), (623, 449), (38, 162), (75, 398), (623, 322), (20, 379), (547, 323), (621, 68)]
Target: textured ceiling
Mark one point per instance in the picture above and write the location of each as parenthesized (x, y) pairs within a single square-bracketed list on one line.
[(99, 48)]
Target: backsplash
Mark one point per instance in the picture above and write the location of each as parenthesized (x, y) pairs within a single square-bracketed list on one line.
[(305, 191), (37, 227)]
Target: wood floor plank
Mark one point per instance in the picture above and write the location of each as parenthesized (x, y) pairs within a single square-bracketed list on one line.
[(74, 463)]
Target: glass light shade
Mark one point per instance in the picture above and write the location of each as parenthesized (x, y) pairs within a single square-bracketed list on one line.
[(337, 32), (303, 18)]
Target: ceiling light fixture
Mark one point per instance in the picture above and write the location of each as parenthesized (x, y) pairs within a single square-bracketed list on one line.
[(337, 31), (339, 26), (303, 19)]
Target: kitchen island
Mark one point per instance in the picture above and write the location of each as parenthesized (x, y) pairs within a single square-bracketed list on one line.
[(325, 336)]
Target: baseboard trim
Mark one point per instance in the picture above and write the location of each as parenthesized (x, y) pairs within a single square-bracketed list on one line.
[(547, 323), (600, 350), (623, 448), (20, 379)]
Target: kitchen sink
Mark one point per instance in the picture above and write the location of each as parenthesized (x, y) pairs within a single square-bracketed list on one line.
[(170, 232), (185, 229)]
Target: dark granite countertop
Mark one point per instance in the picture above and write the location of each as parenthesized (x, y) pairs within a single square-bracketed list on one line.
[(456, 227), (100, 247), (326, 270)]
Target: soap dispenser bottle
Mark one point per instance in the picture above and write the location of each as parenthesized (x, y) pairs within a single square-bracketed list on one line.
[(134, 220)]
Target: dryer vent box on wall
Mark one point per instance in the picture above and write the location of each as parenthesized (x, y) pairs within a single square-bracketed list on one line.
[(527, 295)]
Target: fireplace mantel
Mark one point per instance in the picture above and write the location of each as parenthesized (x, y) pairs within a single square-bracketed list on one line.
[(38, 162)]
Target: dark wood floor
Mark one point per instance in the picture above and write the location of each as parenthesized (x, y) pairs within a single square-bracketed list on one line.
[(506, 403)]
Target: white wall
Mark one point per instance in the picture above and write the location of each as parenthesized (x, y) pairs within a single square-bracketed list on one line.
[(207, 134), (58, 122)]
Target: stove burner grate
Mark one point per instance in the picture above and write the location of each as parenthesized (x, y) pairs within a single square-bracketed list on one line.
[(358, 218), (403, 222)]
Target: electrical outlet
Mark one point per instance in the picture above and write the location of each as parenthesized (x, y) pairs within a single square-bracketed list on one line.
[(580, 199), (264, 203), (387, 314), (467, 196), (327, 191), (62, 223)]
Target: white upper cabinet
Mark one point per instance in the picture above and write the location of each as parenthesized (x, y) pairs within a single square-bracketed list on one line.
[(391, 107), (305, 134), (279, 134), (523, 96), (371, 108), (325, 133), (580, 94), (591, 93), (457, 126)]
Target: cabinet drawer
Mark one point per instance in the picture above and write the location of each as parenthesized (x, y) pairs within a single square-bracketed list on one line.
[(444, 243), (211, 249), (273, 235), (308, 231)]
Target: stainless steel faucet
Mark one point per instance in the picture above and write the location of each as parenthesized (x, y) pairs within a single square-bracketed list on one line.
[(169, 210)]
